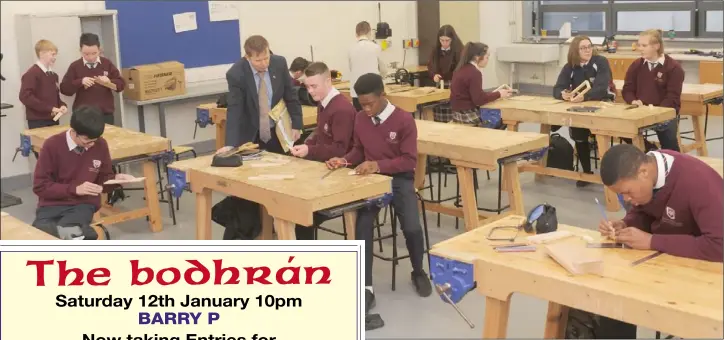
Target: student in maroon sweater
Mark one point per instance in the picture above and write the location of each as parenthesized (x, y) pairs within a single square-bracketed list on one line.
[(656, 79), (443, 60), (466, 90), (70, 173), (86, 75), (385, 142), (677, 209), (335, 122), (39, 88)]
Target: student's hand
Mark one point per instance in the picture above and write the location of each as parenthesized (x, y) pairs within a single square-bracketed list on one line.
[(300, 151), (103, 79), (437, 78), (634, 238), (610, 229), (566, 95), (505, 93), (296, 134), (88, 82), (88, 189), (63, 109), (54, 111), (637, 102), (224, 149), (577, 99), (336, 162), (367, 168), (124, 177)]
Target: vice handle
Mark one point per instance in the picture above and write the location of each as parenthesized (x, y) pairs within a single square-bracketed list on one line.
[(442, 290)]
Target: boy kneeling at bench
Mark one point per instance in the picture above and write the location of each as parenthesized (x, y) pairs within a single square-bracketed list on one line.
[(676, 209), (69, 177)]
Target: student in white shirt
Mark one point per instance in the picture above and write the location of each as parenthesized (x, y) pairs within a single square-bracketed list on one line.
[(364, 57)]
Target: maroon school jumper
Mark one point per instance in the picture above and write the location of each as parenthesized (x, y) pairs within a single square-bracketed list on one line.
[(96, 95), (333, 135), (60, 170), (392, 144), (466, 89), (660, 86), (39, 93), (685, 215)]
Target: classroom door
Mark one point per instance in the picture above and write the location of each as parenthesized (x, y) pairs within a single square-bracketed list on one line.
[(64, 32)]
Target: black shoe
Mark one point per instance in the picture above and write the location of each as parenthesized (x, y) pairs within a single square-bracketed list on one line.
[(581, 184), (373, 321), (369, 301), (422, 283)]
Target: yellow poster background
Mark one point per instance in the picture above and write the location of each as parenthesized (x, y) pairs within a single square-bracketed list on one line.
[(328, 311)]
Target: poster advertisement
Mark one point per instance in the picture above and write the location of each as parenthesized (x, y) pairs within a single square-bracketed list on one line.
[(174, 290)]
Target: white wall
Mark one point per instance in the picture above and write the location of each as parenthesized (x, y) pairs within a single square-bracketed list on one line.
[(328, 26), (498, 27)]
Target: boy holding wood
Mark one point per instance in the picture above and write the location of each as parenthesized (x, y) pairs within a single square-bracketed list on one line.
[(39, 88), (93, 78)]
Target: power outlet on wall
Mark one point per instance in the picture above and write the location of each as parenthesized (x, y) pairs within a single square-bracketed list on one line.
[(410, 43)]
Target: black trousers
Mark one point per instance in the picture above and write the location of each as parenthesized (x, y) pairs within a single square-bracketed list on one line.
[(668, 136), (585, 325), (405, 204), (48, 219)]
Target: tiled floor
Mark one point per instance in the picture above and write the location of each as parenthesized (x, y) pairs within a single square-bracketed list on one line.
[(406, 315)]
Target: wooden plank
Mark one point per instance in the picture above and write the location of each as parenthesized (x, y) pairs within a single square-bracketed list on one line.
[(122, 143), (609, 117), (672, 294), (12, 228), (474, 144), (716, 163)]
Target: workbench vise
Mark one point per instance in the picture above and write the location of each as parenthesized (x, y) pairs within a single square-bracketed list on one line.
[(176, 182), (203, 117), (24, 148), (452, 281)]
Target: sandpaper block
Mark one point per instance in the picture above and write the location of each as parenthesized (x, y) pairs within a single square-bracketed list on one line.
[(576, 259)]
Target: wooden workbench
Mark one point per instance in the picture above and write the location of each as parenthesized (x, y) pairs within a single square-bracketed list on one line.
[(12, 228), (470, 148), (288, 202), (693, 103), (677, 296), (411, 99), (716, 163), (123, 145), (611, 121), (218, 117)]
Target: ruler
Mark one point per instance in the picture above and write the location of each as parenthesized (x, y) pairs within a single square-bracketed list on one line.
[(646, 258)]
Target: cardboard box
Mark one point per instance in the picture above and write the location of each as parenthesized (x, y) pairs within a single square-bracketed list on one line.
[(153, 81)]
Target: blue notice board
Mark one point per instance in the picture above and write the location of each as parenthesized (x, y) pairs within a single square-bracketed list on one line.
[(147, 36)]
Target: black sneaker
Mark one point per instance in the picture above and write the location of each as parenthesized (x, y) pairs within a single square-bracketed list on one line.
[(369, 301), (422, 283), (583, 184)]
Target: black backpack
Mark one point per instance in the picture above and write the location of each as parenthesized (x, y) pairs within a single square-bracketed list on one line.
[(560, 153)]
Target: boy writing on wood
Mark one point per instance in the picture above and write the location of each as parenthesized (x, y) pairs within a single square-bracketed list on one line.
[(93, 78)]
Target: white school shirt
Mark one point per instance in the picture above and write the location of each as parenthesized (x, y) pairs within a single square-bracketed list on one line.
[(364, 57)]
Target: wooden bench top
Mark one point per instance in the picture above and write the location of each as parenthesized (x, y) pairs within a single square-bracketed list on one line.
[(122, 143), (697, 93), (668, 288), (474, 144), (218, 115), (12, 228), (610, 117), (716, 163), (307, 184)]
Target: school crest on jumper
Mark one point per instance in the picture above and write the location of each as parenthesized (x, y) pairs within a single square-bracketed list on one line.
[(105, 73), (96, 163), (659, 75), (670, 213), (393, 135), (326, 127)]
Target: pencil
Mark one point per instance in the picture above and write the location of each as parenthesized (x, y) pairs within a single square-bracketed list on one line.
[(603, 213)]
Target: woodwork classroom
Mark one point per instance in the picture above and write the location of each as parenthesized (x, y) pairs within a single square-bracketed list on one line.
[(498, 171)]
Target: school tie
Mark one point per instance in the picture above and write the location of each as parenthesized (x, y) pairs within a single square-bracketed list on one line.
[(264, 126), (90, 65), (377, 120), (50, 73), (79, 150), (652, 65)]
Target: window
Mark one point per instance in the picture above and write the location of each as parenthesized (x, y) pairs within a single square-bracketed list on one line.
[(686, 18), (637, 21)]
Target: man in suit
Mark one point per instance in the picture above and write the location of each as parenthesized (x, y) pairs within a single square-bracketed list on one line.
[(256, 84)]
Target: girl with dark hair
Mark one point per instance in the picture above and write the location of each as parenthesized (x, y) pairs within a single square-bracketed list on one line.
[(466, 90), (441, 65)]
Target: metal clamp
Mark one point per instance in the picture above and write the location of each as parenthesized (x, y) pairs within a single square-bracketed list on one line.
[(166, 156), (534, 155), (176, 182), (24, 148), (452, 280), (203, 117)]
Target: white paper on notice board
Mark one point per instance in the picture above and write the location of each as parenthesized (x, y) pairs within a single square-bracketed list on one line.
[(184, 22), (223, 11)]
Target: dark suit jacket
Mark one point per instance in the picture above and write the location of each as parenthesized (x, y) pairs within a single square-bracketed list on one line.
[(242, 113)]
